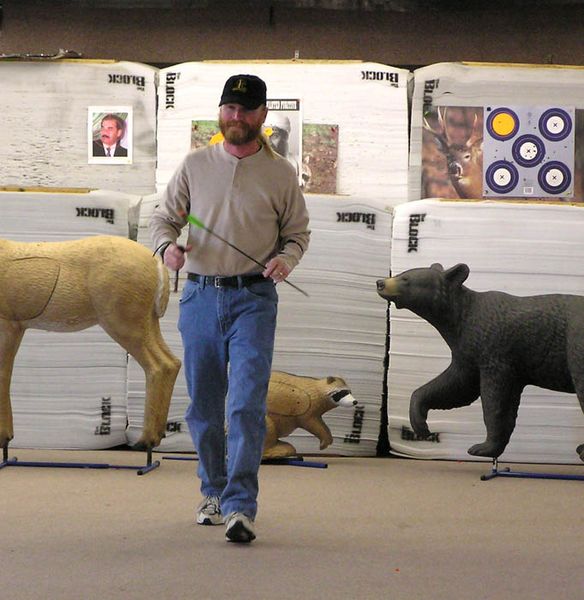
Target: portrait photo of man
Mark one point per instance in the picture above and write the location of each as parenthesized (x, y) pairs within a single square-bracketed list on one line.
[(110, 136)]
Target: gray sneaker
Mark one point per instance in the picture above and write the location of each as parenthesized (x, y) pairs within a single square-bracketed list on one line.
[(239, 528), (209, 511)]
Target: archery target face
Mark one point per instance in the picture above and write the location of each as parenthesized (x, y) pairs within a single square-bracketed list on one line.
[(528, 151)]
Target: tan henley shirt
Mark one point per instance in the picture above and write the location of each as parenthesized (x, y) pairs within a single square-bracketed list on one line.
[(255, 203)]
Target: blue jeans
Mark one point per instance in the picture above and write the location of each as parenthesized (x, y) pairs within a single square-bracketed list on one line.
[(228, 340)]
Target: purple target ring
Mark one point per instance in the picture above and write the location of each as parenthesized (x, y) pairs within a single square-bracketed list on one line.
[(502, 176), (510, 125), (528, 150), (555, 124), (554, 177)]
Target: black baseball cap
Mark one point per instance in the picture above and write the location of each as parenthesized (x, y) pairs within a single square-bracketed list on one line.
[(247, 90)]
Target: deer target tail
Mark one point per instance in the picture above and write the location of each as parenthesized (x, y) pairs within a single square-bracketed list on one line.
[(162, 290)]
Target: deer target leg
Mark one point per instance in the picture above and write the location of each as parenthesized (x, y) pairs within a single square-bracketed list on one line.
[(453, 388), (500, 395), (161, 367), (10, 337)]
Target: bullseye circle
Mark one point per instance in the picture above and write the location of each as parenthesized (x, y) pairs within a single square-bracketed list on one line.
[(528, 151), (502, 176), (555, 124), (554, 177), (502, 124)]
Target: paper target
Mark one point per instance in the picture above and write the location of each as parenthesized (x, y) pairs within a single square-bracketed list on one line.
[(528, 151)]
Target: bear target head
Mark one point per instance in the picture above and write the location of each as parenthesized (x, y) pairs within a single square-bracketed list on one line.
[(421, 287)]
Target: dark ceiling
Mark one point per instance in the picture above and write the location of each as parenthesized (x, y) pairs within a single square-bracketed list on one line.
[(359, 5)]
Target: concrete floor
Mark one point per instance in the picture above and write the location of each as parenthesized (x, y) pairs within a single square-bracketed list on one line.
[(364, 528)]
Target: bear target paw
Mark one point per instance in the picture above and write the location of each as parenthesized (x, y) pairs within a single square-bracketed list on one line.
[(487, 449)]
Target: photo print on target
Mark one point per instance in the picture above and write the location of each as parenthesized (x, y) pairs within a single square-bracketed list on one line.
[(109, 135)]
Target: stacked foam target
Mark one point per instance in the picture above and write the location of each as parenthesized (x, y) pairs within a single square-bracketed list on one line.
[(497, 131), (68, 389), (47, 109), (340, 330), (364, 106), (520, 248)]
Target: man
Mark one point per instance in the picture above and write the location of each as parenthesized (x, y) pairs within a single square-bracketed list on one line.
[(245, 193), (112, 131)]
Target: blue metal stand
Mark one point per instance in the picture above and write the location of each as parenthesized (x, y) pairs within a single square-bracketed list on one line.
[(293, 462), (506, 472), (298, 461), (140, 469)]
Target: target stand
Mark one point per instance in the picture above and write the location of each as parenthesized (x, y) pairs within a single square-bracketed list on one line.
[(296, 461), (506, 472), (140, 469)]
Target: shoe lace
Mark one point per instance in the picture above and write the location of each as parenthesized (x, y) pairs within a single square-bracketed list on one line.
[(210, 505), (237, 516)]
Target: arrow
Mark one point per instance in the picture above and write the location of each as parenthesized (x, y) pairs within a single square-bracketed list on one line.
[(197, 223)]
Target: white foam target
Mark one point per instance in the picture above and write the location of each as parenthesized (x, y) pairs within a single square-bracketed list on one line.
[(367, 156), (46, 106)]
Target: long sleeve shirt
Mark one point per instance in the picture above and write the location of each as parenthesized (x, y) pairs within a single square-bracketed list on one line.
[(255, 203)]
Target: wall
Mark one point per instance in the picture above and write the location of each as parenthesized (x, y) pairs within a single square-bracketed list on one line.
[(496, 32)]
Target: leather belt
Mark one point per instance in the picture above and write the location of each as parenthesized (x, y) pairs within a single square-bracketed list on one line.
[(219, 281)]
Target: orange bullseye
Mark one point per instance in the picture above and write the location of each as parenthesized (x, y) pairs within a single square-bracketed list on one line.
[(504, 124)]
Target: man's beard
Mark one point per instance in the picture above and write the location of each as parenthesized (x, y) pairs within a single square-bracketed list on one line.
[(238, 136)]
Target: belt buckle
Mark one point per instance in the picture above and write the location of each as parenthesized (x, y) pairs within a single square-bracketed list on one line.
[(217, 281)]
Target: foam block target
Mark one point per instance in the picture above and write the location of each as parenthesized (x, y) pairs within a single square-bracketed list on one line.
[(528, 151)]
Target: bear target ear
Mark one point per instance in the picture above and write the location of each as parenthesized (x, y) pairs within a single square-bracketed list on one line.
[(437, 267), (457, 274)]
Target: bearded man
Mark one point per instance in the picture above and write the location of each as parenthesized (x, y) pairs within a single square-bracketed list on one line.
[(247, 194)]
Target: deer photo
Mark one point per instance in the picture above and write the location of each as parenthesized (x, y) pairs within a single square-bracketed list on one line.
[(458, 140), (109, 281)]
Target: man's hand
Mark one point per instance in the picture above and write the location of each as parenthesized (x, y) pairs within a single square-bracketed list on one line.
[(277, 269), (174, 256)]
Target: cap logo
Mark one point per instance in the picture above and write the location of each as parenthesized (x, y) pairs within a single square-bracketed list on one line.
[(240, 86)]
